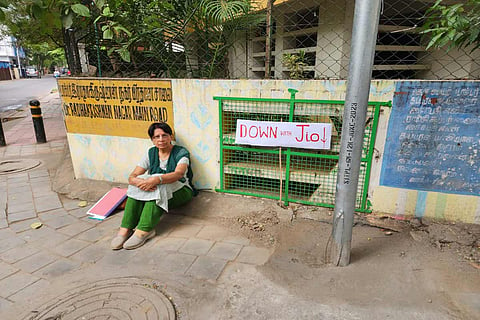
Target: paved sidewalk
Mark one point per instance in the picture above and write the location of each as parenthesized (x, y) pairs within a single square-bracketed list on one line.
[(197, 267), (31, 260)]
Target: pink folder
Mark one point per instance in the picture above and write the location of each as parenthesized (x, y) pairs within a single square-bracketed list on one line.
[(107, 204)]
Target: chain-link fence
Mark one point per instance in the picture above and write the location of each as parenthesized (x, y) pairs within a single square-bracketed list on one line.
[(282, 39)]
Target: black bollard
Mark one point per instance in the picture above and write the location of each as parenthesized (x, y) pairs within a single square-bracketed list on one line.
[(2, 136), (37, 121)]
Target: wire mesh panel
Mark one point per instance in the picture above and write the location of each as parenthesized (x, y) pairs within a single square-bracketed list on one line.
[(257, 39), (290, 174)]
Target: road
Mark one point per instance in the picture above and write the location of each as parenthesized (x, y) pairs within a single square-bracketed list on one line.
[(15, 94)]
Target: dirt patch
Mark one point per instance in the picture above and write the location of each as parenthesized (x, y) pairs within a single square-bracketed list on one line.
[(461, 238), (301, 233), (262, 227)]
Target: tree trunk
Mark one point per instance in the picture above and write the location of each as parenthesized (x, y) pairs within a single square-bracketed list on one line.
[(71, 51)]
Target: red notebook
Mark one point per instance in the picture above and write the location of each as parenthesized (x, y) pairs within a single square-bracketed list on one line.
[(107, 204)]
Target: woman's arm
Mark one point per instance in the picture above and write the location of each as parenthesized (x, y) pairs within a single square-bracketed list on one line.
[(151, 183), (132, 178), (174, 176)]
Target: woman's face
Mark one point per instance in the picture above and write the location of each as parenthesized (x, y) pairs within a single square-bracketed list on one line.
[(161, 139)]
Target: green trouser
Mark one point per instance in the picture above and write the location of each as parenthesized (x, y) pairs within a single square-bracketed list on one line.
[(145, 215)]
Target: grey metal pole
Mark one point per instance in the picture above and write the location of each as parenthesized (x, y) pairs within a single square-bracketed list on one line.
[(365, 27)]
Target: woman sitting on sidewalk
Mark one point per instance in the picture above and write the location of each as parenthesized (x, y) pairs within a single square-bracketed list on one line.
[(167, 185)]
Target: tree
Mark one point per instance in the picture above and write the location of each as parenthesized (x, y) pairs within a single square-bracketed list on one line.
[(453, 26)]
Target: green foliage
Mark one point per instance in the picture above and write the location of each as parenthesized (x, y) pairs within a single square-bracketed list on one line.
[(295, 63), (453, 26)]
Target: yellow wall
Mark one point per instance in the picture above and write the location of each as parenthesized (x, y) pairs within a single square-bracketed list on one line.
[(196, 118)]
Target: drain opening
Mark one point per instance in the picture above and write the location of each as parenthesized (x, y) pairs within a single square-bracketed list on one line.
[(12, 166)]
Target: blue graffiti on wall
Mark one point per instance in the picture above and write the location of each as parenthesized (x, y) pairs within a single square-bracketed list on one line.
[(433, 138)]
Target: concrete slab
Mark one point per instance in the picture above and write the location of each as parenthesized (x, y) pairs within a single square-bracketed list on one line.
[(207, 267), (177, 263), (170, 243), (10, 243), (196, 246), (15, 283), (30, 292), (185, 230), (46, 203), (225, 251), (20, 226), (19, 253), (60, 221), (52, 214), (76, 228), (36, 261), (20, 207), (69, 247), (90, 254), (6, 270), (253, 255), (22, 215), (57, 269)]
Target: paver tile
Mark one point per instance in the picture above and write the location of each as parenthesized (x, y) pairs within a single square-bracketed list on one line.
[(79, 212), (15, 283), (19, 253), (93, 235), (20, 207), (19, 216), (207, 267), (30, 292), (6, 270), (225, 251), (196, 246), (46, 203), (170, 243), (176, 262), (58, 268), (90, 254), (34, 235), (6, 233), (69, 247), (4, 304), (10, 243), (213, 232), (18, 191), (20, 226), (35, 262), (253, 255), (38, 173), (190, 220), (117, 257), (70, 204), (53, 240), (52, 214), (185, 230), (61, 221), (76, 228)]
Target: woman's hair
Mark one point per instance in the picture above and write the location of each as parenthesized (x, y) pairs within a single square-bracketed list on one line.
[(159, 125)]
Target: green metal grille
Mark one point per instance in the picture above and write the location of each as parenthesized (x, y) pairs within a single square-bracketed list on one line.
[(289, 174)]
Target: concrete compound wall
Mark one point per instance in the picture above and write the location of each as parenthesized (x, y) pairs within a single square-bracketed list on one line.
[(196, 119)]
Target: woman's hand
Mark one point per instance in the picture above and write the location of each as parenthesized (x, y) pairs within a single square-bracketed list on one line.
[(149, 184)]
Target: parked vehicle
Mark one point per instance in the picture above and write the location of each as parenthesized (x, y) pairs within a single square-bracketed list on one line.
[(56, 74), (33, 73)]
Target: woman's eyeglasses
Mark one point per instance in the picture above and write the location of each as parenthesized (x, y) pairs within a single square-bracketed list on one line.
[(163, 136)]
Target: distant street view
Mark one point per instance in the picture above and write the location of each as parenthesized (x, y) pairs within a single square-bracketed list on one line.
[(16, 94)]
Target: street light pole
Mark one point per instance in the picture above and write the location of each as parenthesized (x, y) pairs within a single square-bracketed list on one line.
[(364, 34)]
